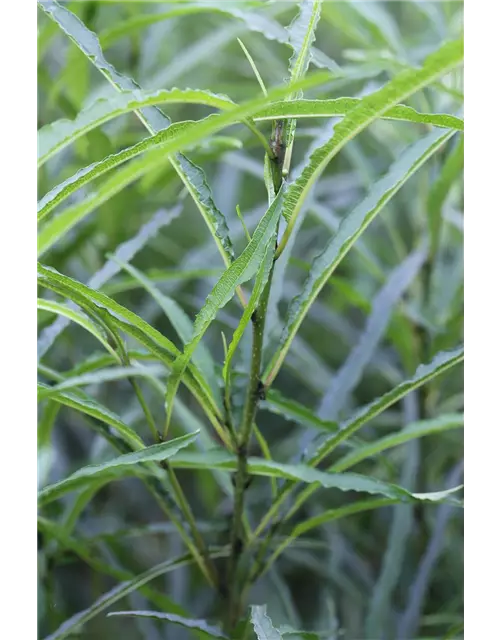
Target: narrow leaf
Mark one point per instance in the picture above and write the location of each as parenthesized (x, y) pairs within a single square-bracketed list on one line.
[(302, 108), (411, 432), (425, 372), (349, 375), (66, 312), (351, 228), (115, 468), (200, 626), (181, 323), (125, 251), (117, 593), (220, 459), (262, 624), (168, 141), (90, 407), (241, 270), (103, 375), (54, 137)]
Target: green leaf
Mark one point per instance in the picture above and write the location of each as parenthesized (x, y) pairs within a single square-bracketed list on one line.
[(167, 141), (241, 270), (293, 410), (220, 459), (200, 626), (301, 37), (350, 373), (254, 21), (86, 405), (411, 432), (451, 169), (83, 550), (351, 228), (373, 106), (54, 137), (181, 323), (78, 318), (302, 108), (262, 624), (260, 283), (114, 469), (154, 120), (425, 372), (120, 317), (125, 251), (103, 375), (120, 591)]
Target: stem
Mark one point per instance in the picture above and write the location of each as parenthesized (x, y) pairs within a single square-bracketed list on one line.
[(241, 479)]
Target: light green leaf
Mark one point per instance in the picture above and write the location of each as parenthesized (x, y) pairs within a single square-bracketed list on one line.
[(260, 283), (181, 323), (302, 108), (126, 464), (411, 432), (262, 624), (351, 228), (125, 251), (242, 269), (350, 373), (221, 459), (154, 120), (425, 372), (78, 318), (373, 106), (168, 141), (159, 276), (293, 410), (115, 313), (103, 375), (254, 21), (301, 37), (452, 167), (86, 405), (54, 137), (200, 626)]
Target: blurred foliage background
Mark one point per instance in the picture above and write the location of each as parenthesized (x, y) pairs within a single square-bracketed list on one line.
[(389, 573)]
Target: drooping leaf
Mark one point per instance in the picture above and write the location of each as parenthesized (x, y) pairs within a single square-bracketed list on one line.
[(116, 468), (167, 142), (88, 406), (220, 459), (54, 137), (120, 317), (154, 120), (67, 312)]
